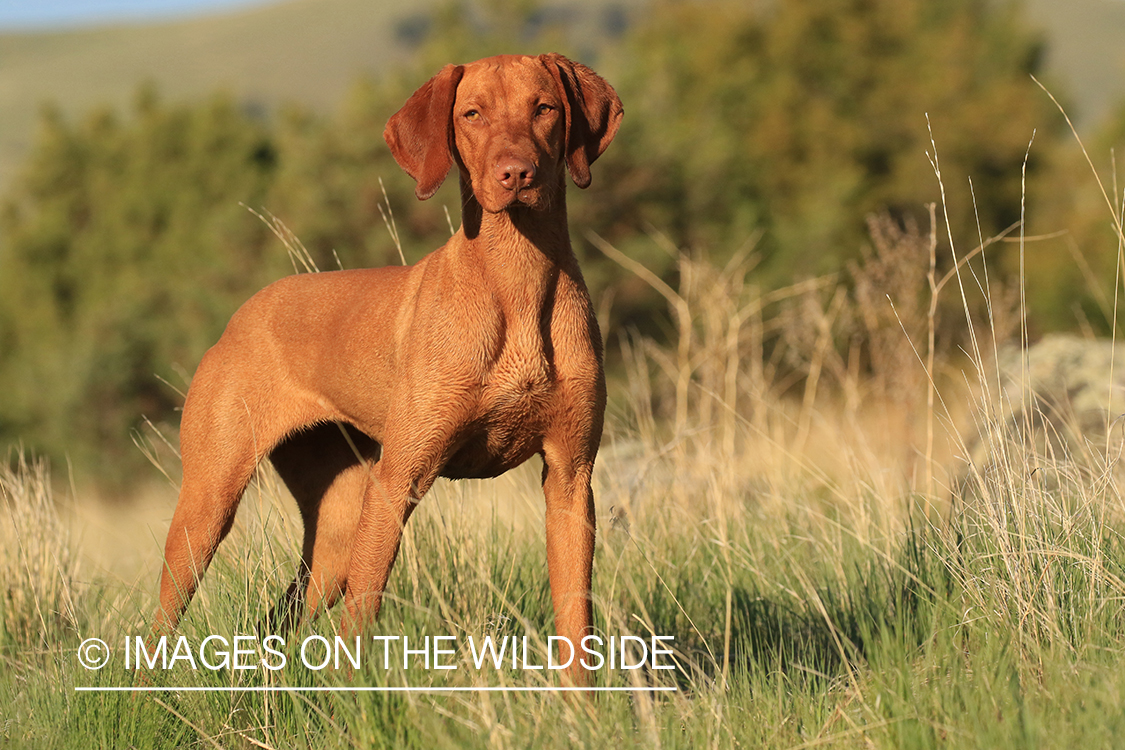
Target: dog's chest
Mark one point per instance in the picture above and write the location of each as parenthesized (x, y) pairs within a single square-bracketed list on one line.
[(515, 401), (516, 394), (517, 388)]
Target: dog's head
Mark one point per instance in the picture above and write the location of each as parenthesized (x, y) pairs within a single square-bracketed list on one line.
[(510, 123)]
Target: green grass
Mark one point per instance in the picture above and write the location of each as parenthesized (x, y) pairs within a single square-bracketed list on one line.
[(819, 592), (818, 595), (806, 612)]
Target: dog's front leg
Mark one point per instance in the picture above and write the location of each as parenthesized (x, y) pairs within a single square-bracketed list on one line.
[(570, 545), (387, 505)]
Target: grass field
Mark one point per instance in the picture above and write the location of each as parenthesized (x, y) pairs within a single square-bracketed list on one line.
[(807, 610), (832, 573)]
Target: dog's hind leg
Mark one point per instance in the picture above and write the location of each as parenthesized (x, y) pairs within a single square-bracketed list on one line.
[(225, 431), (326, 469), (203, 517)]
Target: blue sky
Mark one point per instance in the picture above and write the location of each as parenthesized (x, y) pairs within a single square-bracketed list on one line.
[(36, 14)]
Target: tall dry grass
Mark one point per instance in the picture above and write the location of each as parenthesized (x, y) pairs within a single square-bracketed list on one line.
[(832, 496), (39, 567)]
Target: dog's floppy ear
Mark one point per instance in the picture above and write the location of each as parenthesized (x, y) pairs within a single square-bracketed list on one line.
[(593, 113), (421, 133)]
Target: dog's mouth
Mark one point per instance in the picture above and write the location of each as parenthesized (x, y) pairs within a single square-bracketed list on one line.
[(536, 197), (532, 197)]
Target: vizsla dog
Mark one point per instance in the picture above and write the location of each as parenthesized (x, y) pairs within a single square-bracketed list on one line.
[(363, 387)]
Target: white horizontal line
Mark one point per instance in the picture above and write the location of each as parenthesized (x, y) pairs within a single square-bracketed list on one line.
[(400, 689)]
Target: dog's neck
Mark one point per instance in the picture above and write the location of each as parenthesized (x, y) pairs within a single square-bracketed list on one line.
[(520, 249)]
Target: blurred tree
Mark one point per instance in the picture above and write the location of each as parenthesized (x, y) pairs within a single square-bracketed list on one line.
[(125, 252), (125, 249), (1071, 271), (330, 188), (801, 118)]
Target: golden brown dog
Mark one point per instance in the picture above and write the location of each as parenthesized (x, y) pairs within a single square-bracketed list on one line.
[(364, 386)]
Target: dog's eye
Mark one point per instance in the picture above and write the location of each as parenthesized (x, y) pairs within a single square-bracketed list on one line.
[(472, 115), (544, 109)]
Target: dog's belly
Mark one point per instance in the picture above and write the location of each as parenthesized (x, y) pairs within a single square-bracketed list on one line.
[(508, 429), (479, 457)]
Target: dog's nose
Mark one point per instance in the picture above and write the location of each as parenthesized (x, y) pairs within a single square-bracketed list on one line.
[(515, 173)]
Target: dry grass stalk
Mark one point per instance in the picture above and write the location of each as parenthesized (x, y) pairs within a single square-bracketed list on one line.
[(38, 565)]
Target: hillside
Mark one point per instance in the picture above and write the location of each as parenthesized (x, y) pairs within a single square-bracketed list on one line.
[(1085, 50), (305, 50), (310, 51)]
